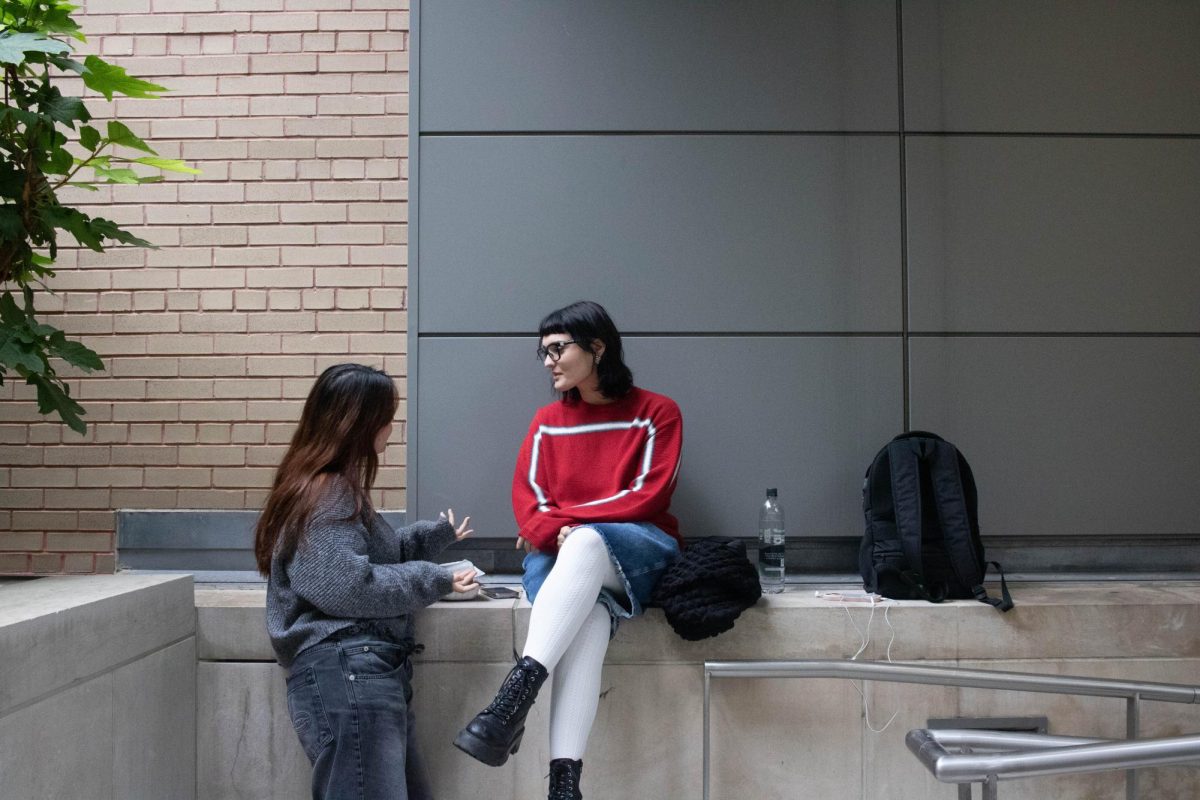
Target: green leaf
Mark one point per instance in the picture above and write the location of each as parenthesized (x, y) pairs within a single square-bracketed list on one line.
[(58, 20), (121, 135), (108, 79), (27, 118), (10, 313), (67, 110), (60, 162), (75, 223), (11, 227), (116, 175), (168, 164), (89, 137), (67, 64), (52, 395), (16, 357), (87, 231), (12, 181), (75, 354), (14, 46), (109, 230)]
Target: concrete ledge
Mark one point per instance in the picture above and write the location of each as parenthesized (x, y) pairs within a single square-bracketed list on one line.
[(56, 632), (1057, 620), (97, 688)]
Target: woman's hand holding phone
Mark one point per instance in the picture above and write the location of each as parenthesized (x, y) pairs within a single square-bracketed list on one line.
[(464, 581)]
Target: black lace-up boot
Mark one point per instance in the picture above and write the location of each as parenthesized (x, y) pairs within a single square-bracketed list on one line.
[(564, 779), (497, 730)]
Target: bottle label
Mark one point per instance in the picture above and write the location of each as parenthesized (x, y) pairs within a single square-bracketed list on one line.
[(771, 536), (771, 556)]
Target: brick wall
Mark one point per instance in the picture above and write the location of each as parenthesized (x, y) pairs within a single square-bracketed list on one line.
[(287, 254)]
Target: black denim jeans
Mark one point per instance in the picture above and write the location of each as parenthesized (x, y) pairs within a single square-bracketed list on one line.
[(349, 701)]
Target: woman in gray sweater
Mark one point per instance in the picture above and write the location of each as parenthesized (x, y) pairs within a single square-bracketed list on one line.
[(342, 588)]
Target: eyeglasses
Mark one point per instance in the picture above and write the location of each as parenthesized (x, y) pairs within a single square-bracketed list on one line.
[(554, 350)]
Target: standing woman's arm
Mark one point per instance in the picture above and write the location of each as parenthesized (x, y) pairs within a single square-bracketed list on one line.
[(421, 541), (331, 570)]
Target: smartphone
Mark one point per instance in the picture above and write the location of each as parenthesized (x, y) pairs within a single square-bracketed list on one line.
[(499, 592)]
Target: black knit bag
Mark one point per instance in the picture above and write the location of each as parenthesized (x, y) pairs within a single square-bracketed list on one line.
[(707, 588)]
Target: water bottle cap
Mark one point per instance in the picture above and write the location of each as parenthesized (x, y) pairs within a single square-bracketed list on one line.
[(772, 493)]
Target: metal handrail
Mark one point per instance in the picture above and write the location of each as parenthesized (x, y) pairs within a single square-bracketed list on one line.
[(954, 676), (985, 741), (1052, 755), (1133, 692)]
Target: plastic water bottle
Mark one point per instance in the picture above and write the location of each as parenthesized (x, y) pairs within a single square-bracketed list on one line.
[(771, 544)]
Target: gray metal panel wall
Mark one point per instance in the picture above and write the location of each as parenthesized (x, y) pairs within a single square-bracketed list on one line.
[(675, 233), (1053, 234), (1069, 435), (1092, 66), (740, 185), (613, 65)]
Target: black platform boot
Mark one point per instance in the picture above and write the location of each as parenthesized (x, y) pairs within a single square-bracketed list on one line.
[(496, 731), (564, 779)]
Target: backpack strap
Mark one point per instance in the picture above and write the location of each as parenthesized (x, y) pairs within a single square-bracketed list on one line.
[(1005, 602), (948, 492), (906, 499), (952, 513)]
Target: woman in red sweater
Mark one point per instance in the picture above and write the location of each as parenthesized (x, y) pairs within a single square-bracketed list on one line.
[(591, 494)]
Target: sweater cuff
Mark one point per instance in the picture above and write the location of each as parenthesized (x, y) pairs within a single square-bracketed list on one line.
[(546, 544), (441, 537), (444, 582)]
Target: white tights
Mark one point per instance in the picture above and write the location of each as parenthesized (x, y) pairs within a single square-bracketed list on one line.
[(568, 635)]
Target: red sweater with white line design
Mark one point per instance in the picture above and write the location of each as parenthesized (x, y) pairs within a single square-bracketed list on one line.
[(585, 463)]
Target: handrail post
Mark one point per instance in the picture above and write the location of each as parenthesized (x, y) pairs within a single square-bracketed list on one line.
[(1133, 713), (707, 765), (990, 789), (964, 791)]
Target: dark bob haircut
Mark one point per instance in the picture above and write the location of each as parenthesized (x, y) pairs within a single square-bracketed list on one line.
[(585, 322)]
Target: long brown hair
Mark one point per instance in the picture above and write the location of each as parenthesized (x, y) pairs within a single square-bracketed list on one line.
[(346, 409)]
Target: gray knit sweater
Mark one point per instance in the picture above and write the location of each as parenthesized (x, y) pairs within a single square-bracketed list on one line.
[(344, 573)]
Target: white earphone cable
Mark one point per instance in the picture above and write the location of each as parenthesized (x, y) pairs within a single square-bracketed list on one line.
[(865, 639)]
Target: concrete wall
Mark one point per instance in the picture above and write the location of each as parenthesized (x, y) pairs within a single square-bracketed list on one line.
[(819, 224), (772, 739), (285, 255), (97, 688)]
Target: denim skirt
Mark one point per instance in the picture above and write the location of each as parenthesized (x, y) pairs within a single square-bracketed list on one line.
[(640, 553)]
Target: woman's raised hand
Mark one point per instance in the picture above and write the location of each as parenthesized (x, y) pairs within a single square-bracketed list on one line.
[(462, 531), (464, 581)]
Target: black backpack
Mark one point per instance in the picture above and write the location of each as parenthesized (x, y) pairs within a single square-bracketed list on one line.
[(922, 536)]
